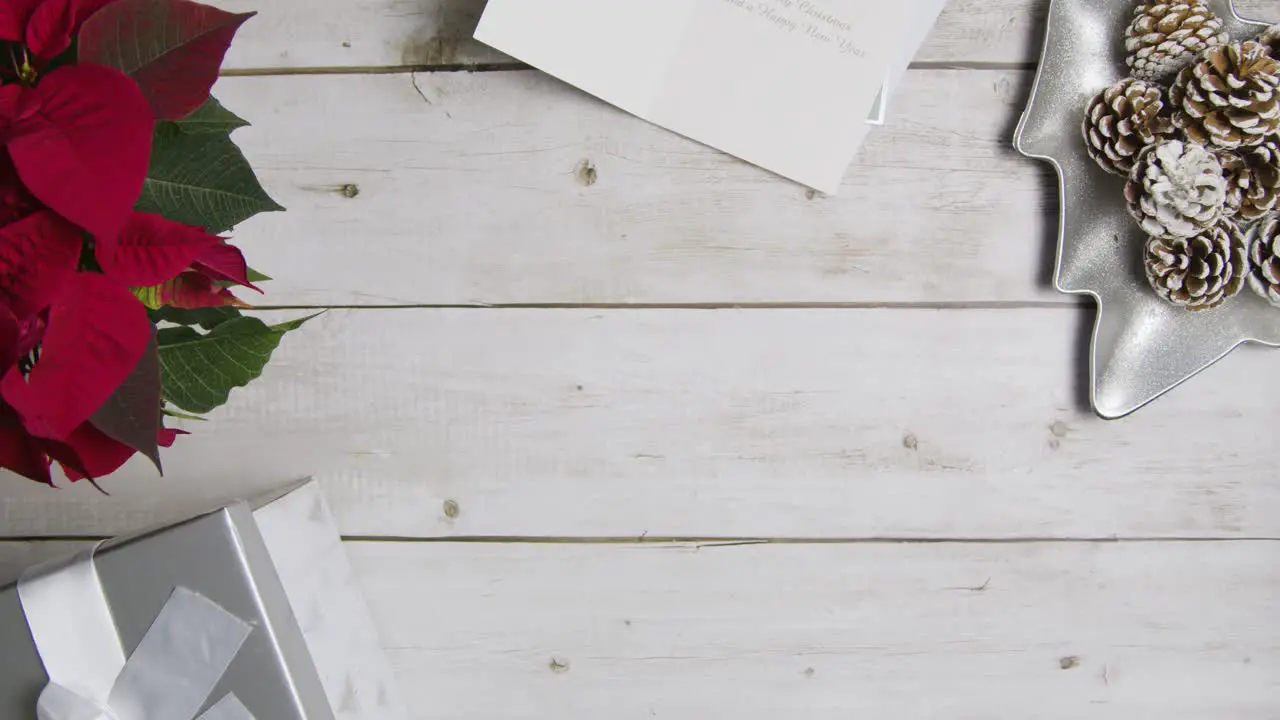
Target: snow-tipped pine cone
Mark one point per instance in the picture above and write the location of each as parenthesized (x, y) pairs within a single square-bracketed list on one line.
[(1271, 38), (1200, 272), (1122, 120), (1165, 35), (1229, 97), (1264, 260), (1176, 189), (1253, 179)]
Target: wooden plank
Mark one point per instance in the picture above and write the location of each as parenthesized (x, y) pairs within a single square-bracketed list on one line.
[(15, 556), (292, 34), (910, 632), (1179, 631), (427, 33), (475, 188), (671, 423)]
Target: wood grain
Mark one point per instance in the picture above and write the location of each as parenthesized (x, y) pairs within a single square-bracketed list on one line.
[(670, 423), (17, 556), (835, 425), (494, 188), (513, 188), (1052, 631), (433, 33), (299, 34), (910, 632)]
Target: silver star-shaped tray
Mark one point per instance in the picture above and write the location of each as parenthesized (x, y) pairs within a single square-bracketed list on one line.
[(1143, 346)]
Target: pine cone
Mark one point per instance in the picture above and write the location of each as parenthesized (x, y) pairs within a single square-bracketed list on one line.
[(1253, 179), (1176, 189), (1201, 272), (1165, 36), (1122, 120), (1271, 38), (1264, 260), (1230, 97)]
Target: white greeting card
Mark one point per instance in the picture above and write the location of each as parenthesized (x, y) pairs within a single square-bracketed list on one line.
[(785, 84), (917, 30)]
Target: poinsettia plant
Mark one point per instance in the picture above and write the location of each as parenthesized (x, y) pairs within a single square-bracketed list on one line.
[(118, 182)]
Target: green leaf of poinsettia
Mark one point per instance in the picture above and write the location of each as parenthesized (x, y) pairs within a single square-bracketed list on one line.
[(132, 414), (207, 318), (200, 371), (211, 117), (183, 416), (177, 335), (201, 179)]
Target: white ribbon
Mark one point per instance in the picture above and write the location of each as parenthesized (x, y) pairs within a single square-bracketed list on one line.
[(170, 675)]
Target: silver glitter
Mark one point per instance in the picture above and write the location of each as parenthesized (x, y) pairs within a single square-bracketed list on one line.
[(1142, 346)]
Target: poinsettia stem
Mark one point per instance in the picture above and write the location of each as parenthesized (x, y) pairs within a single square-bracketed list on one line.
[(23, 70), (27, 73)]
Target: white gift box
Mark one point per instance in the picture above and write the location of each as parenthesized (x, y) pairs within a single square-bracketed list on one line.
[(306, 548), (249, 612)]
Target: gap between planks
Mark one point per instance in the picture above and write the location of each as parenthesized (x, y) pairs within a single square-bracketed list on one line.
[(1067, 304), (377, 69), (961, 66), (725, 542), (722, 542)]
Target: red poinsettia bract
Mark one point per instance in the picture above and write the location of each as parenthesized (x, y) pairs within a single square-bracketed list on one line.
[(45, 27), (75, 145)]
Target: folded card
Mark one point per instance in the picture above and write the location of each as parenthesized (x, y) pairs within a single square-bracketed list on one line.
[(925, 15), (784, 84)]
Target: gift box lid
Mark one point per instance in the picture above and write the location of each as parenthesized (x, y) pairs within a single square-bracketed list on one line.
[(220, 556)]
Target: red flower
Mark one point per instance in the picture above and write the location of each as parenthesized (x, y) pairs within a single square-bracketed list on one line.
[(96, 335), (150, 250), (90, 329), (207, 282), (37, 256), (96, 328), (85, 454), (20, 452), (80, 141), (91, 332), (79, 363), (16, 202), (45, 26)]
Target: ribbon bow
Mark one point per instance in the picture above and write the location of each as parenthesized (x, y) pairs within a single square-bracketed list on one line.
[(170, 675), (59, 703)]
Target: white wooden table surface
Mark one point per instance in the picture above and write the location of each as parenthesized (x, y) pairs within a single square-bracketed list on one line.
[(620, 427)]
